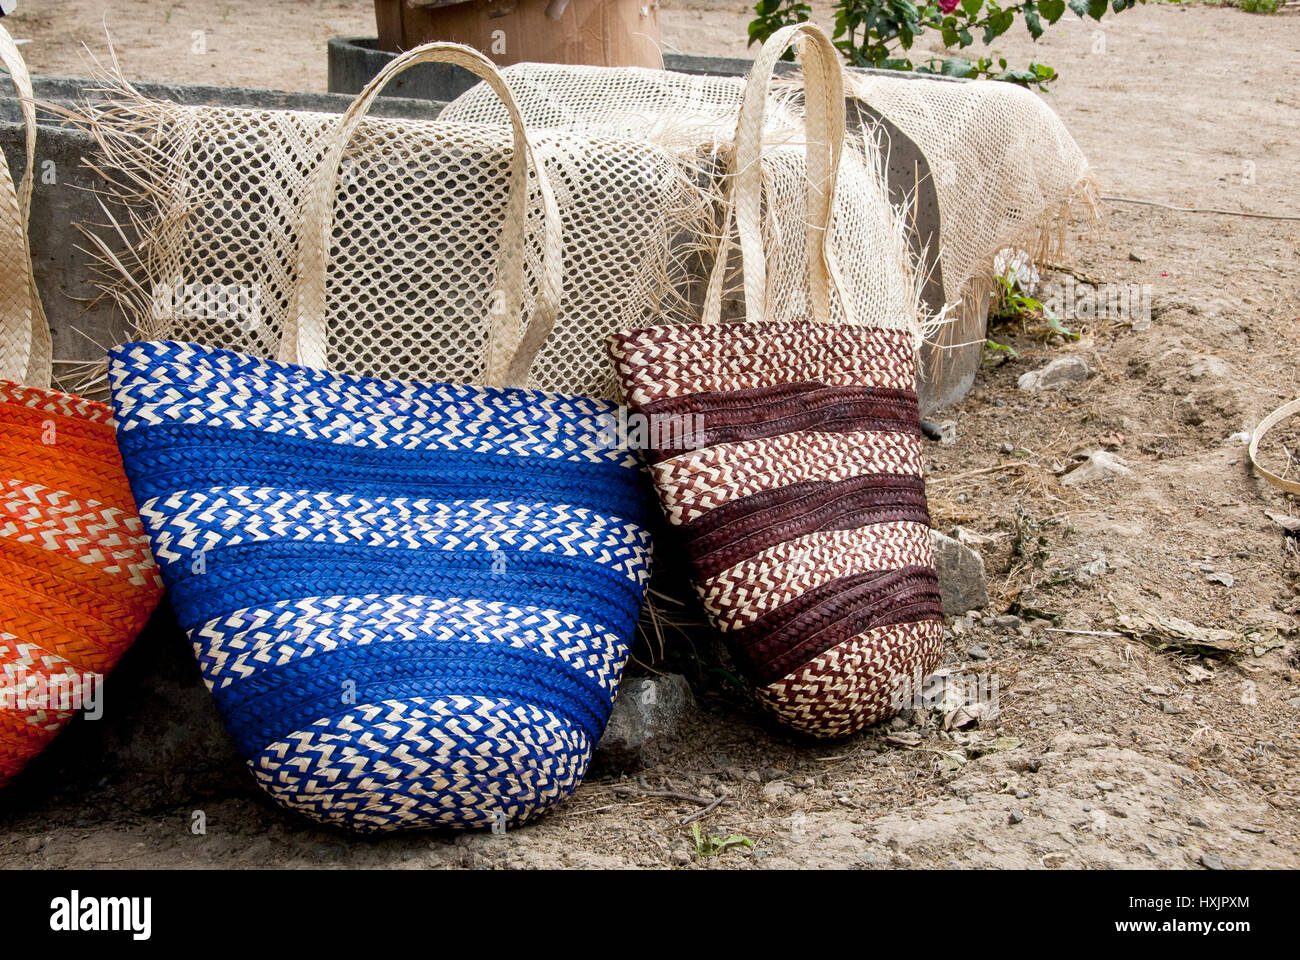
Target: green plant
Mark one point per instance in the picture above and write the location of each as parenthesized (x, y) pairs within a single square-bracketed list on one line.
[(877, 33), (713, 845), (1015, 303), (1258, 6)]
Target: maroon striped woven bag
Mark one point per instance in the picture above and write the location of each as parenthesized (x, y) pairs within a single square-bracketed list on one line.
[(801, 500)]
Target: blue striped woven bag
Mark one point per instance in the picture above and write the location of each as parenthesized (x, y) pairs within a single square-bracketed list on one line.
[(412, 603)]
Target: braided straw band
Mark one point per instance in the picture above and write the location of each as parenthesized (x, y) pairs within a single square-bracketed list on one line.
[(412, 603), (803, 509), (77, 581)]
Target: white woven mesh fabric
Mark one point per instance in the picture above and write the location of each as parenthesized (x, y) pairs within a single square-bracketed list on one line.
[(694, 119), (634, 157), (216, 196), (1005, 169)]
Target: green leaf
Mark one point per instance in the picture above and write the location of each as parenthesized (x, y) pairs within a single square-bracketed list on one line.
[(950, 38), (1080, 7), (972, 7), (1097, 8), (1053, 10), (1032, 20), (958, 67)]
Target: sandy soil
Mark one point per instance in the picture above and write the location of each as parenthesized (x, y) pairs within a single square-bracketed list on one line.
[(1107, 752)]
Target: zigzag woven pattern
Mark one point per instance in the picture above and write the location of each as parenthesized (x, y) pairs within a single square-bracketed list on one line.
[(802, 509), (413, 604), (77, 581)]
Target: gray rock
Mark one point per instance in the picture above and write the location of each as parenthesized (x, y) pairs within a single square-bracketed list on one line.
[(1211, 861), (962, 585), (1059, 373), (978, 653), (1105, 786), (1008, 621), (1170, 706), (1100, 465), (647, 711), (1015, 817), (1224, 578)]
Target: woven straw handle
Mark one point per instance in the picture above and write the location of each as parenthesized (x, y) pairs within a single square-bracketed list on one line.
[(824, 126), (1265, 425), (24, 332), (304, 340)]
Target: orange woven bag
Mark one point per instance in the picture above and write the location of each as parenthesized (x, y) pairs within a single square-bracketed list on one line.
[(77, 580)]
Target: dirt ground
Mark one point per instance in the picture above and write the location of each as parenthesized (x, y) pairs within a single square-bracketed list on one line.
[(1107, 751)]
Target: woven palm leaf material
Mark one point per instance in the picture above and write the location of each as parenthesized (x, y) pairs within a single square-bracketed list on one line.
[(692, 119), (412, 602), (468, 561), (213, 197), (1007, 175), (801, 503), (77, 581)]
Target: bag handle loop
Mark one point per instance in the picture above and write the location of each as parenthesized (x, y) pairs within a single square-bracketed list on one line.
[(24, 331), (304, 340), (825, 127), (1265, 425)]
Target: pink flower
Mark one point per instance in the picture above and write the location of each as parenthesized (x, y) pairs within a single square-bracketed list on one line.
[(948, 6)]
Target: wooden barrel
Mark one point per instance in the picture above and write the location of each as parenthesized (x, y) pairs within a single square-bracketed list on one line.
[(606, 33)]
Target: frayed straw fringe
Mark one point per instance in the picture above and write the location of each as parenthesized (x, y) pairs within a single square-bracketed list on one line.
[(968, 308)]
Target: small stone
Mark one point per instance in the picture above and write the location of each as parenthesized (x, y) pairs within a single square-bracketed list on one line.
[(978, 653), (1100, 465), (1211, 861), (1136, 257), (1171, 706), (1087, 808), (1151, 851), (1059, 373), (753, 777), (1022, 794), (774, 773), (898, 723), (962, 586), (1197, 822), (1007, 448), (1224, 578), (1015, 817), (647, 711), (1294, 703), (775, 791), (734, 773), (1049, 709), (680, 855), (1105, 786), (1008, 621)]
